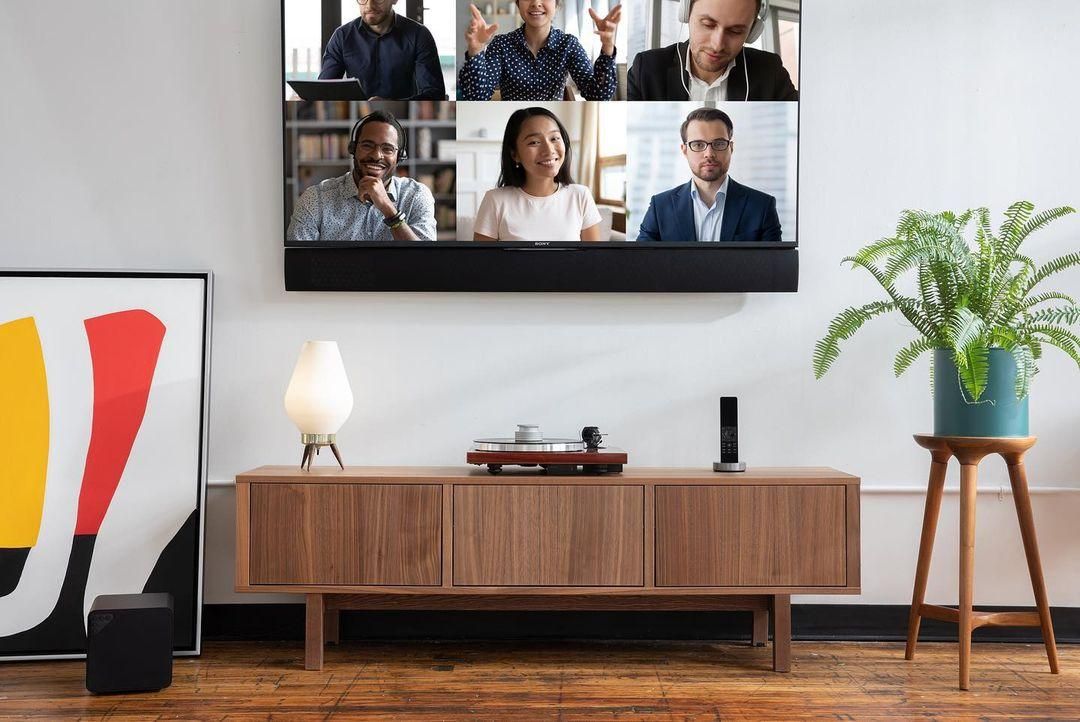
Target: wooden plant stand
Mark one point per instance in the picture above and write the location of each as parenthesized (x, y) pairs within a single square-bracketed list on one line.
[(969, 451)]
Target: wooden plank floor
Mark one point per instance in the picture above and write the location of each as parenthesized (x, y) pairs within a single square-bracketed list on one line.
[(568, 681)]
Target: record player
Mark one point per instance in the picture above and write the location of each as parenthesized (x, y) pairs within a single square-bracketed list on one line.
[(529, 448)]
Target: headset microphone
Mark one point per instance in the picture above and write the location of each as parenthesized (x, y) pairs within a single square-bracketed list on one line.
[(403, 151)]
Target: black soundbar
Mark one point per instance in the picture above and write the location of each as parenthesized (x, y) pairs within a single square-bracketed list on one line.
[(470, 266)]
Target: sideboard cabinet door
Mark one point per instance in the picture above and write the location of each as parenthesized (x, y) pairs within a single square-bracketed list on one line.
[(347, 534), (521, 535), (751, 536)]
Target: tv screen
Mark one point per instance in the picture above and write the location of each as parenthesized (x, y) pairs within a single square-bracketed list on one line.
[(522, 145)]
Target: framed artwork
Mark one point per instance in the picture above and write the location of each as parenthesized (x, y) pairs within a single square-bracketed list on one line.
[(104, 380)]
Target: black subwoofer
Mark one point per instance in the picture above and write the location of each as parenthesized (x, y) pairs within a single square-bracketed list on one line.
[(129, 643)]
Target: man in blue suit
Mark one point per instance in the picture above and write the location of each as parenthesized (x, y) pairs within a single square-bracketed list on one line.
[(711, 207)]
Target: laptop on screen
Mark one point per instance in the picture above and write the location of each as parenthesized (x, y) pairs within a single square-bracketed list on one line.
[(343, 89)]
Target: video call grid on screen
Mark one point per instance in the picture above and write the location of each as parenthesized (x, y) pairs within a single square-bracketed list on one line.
[(577, 170)]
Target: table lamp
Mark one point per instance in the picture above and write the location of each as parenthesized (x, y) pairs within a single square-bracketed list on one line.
[(319, 399)]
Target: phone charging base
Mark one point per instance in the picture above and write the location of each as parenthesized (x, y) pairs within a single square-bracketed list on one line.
[(729, 466)]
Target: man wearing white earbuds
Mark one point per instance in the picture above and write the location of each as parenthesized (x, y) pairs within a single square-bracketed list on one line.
[(713, 65)]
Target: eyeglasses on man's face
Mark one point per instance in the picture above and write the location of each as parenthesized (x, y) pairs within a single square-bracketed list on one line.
[(718, 145), (366, 146)]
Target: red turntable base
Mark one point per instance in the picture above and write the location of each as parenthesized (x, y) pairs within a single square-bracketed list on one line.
[(600, 461)]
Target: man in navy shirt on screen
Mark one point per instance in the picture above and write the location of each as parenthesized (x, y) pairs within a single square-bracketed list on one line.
[(393, 57)]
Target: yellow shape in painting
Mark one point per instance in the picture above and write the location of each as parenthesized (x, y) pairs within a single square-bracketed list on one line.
[(24, 433)]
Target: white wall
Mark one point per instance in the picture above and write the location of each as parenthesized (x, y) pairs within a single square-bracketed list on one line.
[(146, 134)]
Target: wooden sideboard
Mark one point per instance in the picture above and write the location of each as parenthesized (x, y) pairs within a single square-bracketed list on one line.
[(460, 538)]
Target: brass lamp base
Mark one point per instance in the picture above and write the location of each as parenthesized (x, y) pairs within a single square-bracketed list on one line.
[(312, 443)]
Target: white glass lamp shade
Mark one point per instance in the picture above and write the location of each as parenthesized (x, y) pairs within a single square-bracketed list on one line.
[(319, 399)]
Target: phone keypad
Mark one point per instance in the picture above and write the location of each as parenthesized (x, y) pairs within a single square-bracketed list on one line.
[(729, 442)]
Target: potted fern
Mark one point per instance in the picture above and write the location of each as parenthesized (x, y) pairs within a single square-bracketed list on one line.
[(975, 305)]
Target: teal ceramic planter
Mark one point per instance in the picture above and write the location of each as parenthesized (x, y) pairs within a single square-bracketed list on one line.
[(996, 413)]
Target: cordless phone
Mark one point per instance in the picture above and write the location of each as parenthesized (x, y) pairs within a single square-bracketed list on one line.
[(729, 436)]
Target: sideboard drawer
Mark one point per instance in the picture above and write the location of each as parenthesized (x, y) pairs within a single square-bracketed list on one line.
[(347, 534), (752, 536), (548, 535)]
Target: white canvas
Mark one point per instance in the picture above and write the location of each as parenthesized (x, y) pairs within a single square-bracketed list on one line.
[(161, 484)]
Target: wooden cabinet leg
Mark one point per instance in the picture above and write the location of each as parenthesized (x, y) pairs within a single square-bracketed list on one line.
[(938, 468), (1018, 479), (760, 636), (968, 487), (333, 625), (314, 632), (781, 624)]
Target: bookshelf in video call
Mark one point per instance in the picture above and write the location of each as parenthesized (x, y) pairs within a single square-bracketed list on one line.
[(317, 147), (426, 538)]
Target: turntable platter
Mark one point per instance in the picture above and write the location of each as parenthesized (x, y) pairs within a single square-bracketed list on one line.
[(540, 445)]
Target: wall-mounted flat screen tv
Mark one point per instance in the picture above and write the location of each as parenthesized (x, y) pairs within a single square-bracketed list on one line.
[(541, 145)]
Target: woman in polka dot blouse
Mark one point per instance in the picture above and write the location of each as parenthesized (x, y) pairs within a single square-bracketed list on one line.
[(531, 62)]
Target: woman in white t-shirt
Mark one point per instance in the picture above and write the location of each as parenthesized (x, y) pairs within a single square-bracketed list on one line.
[(536, 198)]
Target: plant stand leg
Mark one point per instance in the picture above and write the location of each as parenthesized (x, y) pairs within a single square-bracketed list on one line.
[(968, 485), (938, 469), (1018, 480)]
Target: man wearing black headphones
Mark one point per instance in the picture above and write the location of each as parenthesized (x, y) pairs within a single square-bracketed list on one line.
[(370, 202), (714, 65)]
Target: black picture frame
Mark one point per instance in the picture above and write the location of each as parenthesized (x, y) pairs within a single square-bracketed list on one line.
[(188, 546)]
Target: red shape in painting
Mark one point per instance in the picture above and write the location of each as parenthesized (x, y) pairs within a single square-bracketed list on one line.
[(124, 351)]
